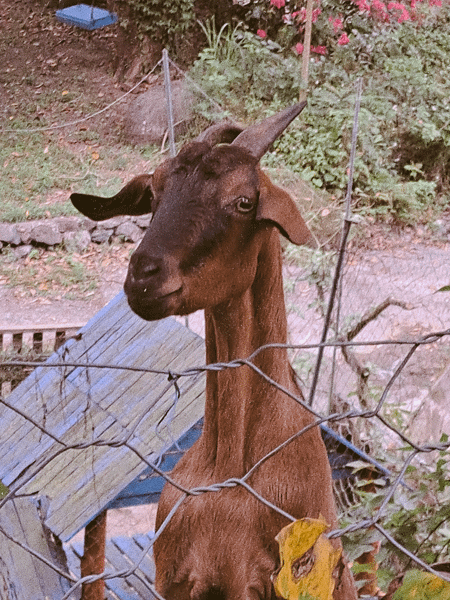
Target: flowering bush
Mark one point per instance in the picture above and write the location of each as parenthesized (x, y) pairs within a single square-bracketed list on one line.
[(402, 166), (336, 21)]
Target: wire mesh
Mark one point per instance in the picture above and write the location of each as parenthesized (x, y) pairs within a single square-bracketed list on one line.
[(383, 387)]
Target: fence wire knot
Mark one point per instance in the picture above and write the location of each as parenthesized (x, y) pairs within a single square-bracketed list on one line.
[(173, 378)]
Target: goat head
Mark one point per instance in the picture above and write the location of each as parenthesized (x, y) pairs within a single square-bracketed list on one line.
[(210, 205)]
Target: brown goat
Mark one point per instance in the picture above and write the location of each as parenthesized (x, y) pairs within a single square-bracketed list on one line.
[(214, 244)]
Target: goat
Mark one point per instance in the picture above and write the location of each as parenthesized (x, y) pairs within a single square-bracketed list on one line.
[(213, 244)]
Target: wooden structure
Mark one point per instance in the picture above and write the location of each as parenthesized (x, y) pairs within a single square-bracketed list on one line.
[(77, 436), (86, 17), (75, 441), (22, 576)]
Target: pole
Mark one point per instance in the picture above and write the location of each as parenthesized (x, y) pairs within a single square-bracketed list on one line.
[(345, 231), (168, 89), (306, 51)]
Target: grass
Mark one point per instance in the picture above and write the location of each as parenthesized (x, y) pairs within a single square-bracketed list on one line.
[(39, 170), (54, 274)]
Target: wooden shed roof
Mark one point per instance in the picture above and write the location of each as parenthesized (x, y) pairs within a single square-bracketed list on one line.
[(114, 414)]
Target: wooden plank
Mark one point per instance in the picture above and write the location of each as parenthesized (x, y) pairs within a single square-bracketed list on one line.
[(109, 481), (66, 374), (79, 404), (53, 392), (152, 443), (140, 554), (119, 561), (147, 487), (29, 578), (96, 381)]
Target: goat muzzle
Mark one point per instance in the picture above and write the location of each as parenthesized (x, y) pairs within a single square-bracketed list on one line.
[(153, 286)]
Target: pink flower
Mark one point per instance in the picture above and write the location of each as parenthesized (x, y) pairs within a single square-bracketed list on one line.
[(301, 14), (363, 5), (298, 48), (380, 10), (319, 49), (278, 3), (337, 23), (315, 14), (261, 33), (343, 39), (401, 8)]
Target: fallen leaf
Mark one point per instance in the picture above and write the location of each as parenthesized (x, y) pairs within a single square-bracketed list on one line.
[(421, 585), (308, 560)]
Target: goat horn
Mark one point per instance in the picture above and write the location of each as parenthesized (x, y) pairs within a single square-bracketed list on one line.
[(258, 137), (223, 132)]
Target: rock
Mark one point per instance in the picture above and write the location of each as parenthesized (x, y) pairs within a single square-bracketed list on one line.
[(89, 224), (23, 251), (67, 223), (112, 223), (143, 221), (130, 232), (24, 230), (46, 233), (9, 234), (76, 241), (101, 235), (146, 119)]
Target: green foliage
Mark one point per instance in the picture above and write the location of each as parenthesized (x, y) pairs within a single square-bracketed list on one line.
[(418, 585), (241, 72), (402, 167), (162, 21), (418, 516)]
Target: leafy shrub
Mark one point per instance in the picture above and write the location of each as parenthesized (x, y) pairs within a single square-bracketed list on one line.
[(403, 154), (417, 516), (162, 21)]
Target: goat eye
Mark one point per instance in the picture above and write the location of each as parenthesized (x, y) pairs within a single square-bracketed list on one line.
[(245, 205)]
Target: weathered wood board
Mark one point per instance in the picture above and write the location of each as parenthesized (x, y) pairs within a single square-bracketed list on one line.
[(118, 416), (23, 576), (122, 554)]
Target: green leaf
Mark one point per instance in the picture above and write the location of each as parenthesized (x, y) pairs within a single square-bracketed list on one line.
[(419, 585)]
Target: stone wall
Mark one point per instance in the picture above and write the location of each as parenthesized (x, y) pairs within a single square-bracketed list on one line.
[(74, 233)]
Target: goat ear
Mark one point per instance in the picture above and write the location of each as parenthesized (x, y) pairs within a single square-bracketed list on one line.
[(258, 138), (134, 199), (276, 205)]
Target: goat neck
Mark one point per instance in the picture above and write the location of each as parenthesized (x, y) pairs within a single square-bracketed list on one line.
[(238, 427)]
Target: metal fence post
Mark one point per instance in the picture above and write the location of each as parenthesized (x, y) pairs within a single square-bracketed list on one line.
[(168, 89)]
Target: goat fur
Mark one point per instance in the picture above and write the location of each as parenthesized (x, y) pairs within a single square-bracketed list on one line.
[(214, 244)]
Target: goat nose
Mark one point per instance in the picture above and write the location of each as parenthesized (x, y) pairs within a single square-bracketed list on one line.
[(144, 268), (149, 269)]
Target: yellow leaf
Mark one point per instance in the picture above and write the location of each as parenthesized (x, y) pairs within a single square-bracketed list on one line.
[(95, 156), (64, 93), (421, 585), (307, 561)]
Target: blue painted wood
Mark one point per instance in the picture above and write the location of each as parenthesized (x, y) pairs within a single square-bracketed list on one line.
[(147, 487), (86, 17), (79, 404), (120, 554)]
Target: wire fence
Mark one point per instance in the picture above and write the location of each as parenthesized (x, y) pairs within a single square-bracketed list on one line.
[(379, 377)]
